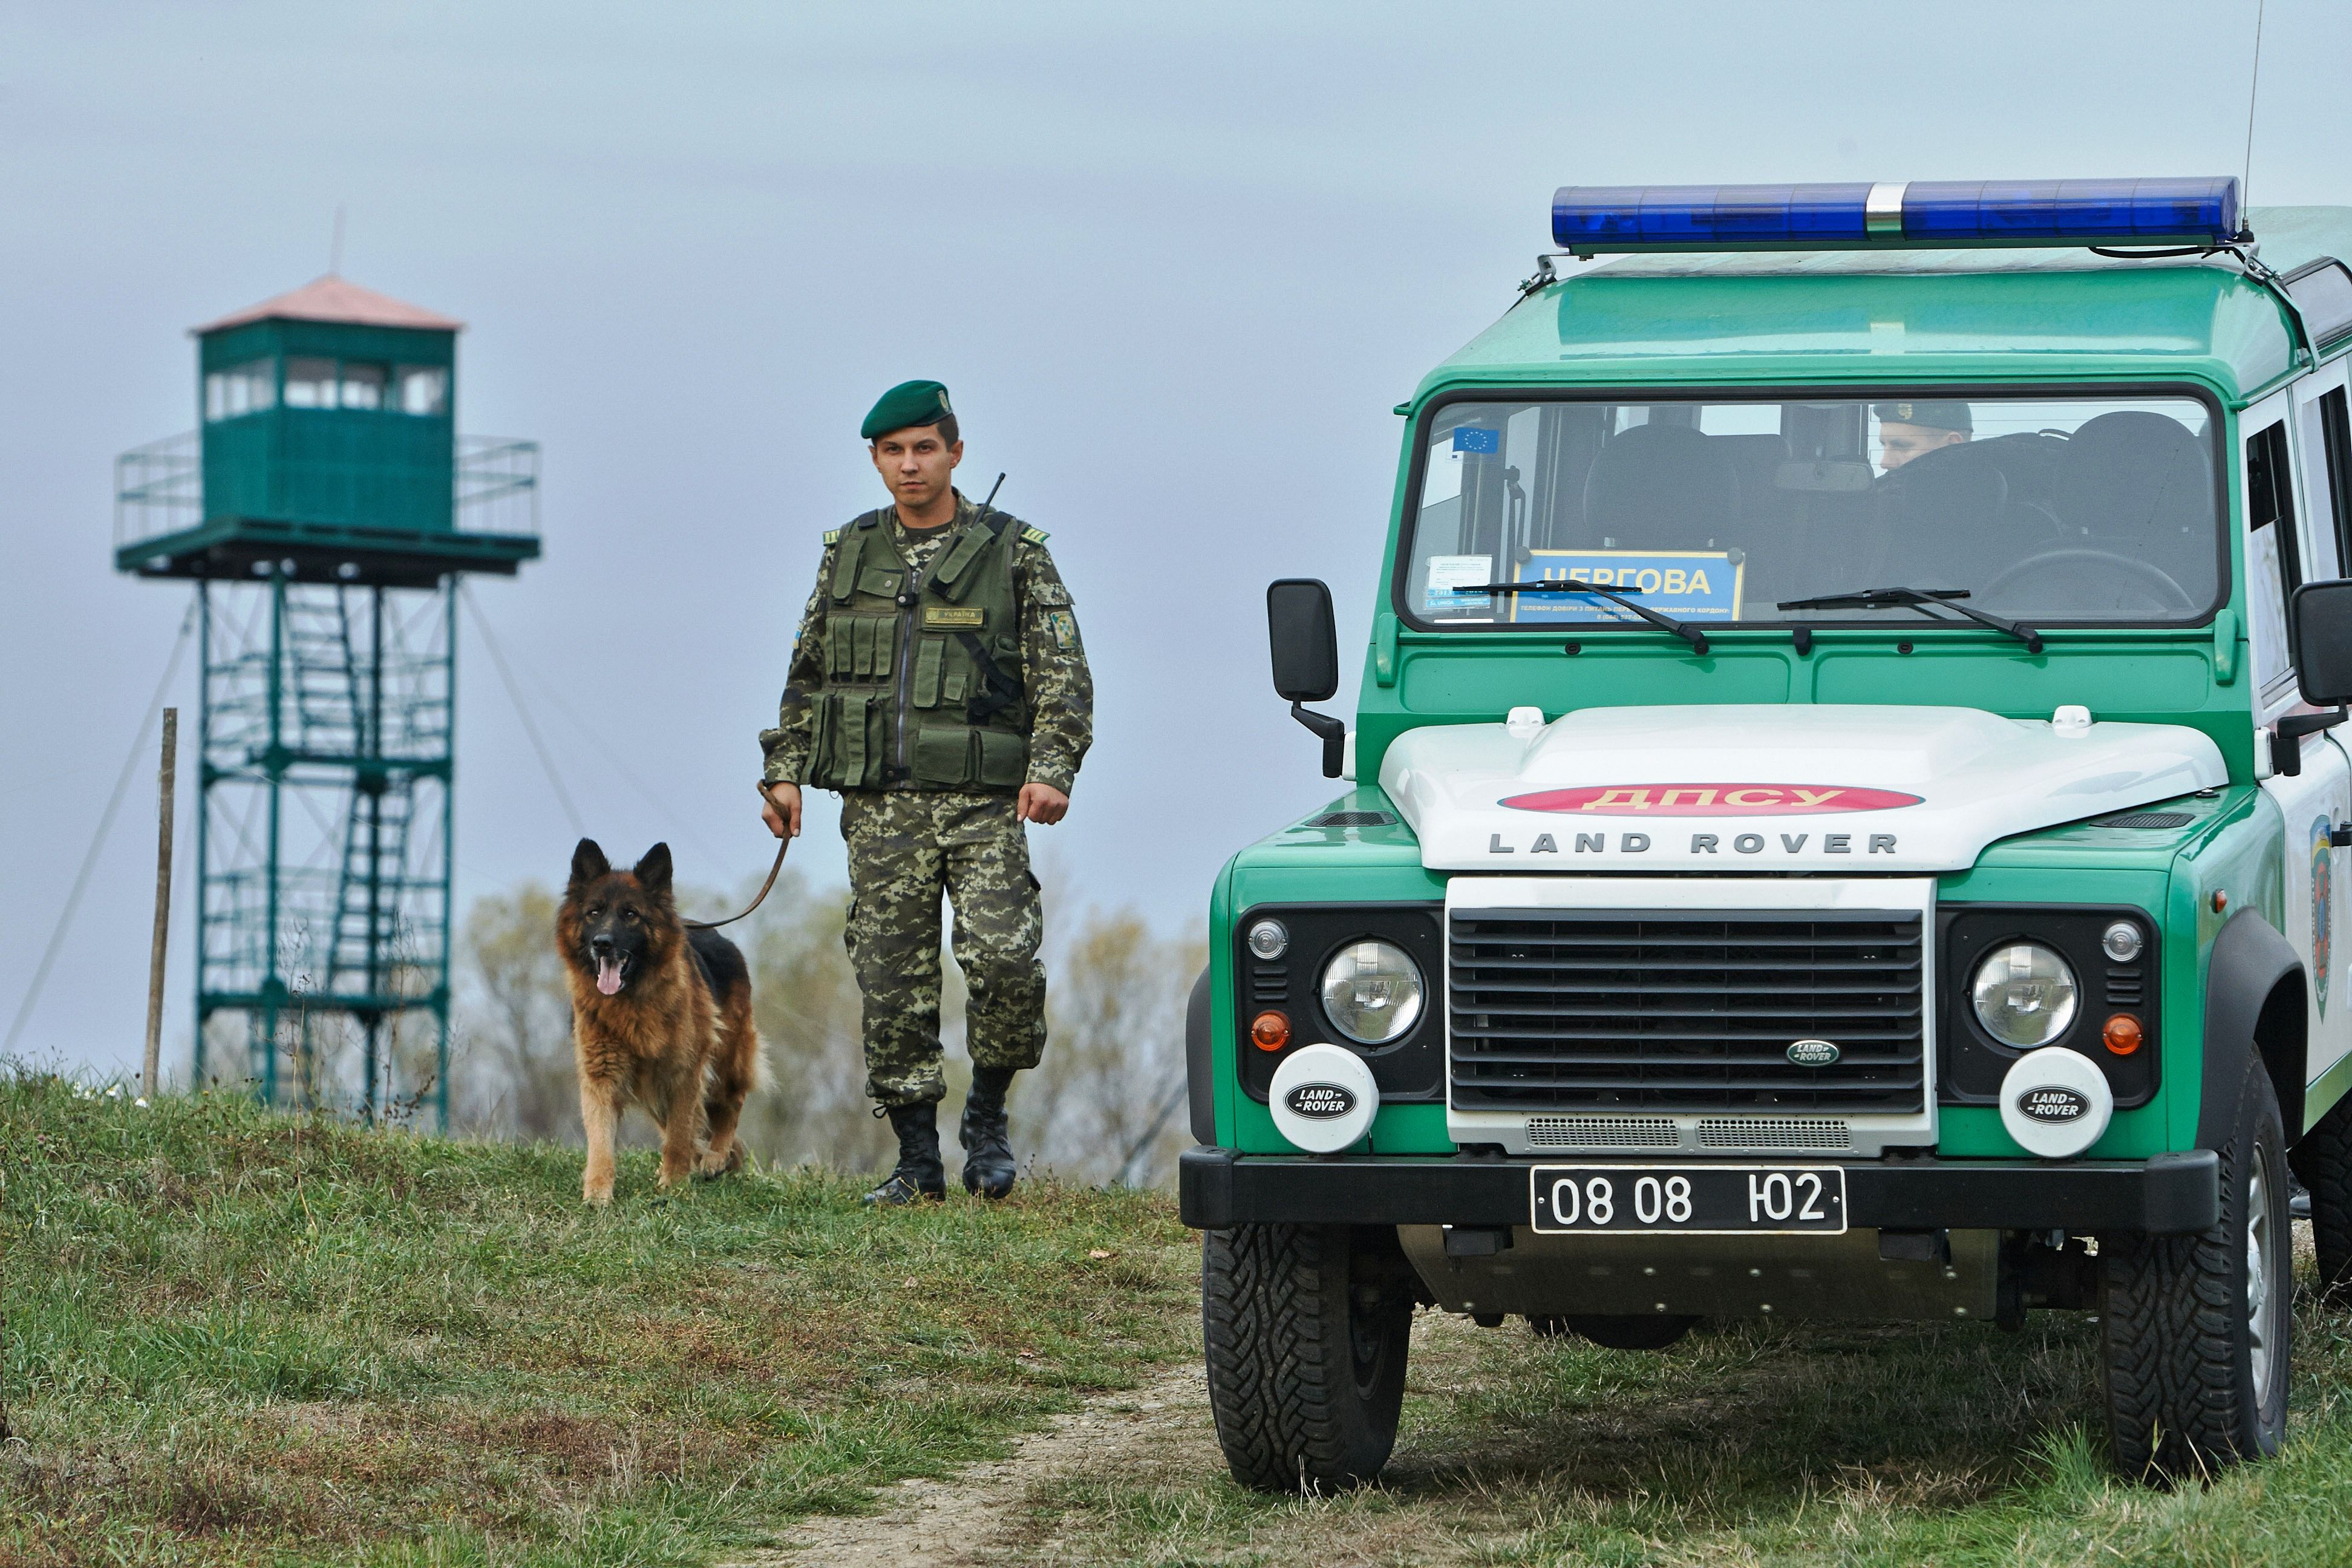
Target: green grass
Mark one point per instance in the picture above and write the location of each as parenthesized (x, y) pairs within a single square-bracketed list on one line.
[(1752, 1444), (234, 1337), (237, 1338)]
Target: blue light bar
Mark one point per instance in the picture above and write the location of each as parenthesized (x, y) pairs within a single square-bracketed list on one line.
[(1591, 219)]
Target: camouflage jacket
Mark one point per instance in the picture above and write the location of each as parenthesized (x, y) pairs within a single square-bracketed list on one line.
[(1059, 688)]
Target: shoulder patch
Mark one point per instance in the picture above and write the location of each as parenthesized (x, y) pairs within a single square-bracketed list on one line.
[(1033, 535), (833, 535)]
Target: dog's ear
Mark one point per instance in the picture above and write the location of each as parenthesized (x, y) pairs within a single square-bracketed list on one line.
[(653, 872), (588, 863)]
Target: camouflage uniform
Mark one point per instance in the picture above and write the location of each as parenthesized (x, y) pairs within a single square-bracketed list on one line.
[(910, 843)]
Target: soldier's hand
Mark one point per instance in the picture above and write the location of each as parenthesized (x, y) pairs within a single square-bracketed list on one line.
[(780, 808), (1041, 802)]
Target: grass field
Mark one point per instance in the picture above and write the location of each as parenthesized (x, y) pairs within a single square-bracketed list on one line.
[(239, 1338)]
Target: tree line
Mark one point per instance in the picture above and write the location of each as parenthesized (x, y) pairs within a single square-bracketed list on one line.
[(1105, 1106)]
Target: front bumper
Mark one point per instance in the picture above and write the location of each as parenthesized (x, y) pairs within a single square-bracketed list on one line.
[(2167, 1195)]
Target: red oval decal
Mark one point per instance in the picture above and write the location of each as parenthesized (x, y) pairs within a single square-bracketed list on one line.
[(1710, 800)]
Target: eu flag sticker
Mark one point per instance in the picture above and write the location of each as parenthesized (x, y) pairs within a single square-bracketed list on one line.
[(1688, 584), (1472, 439)]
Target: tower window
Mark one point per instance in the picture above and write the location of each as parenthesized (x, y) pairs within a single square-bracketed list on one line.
[(309, 383), (362, 385), (246, 388), (424, 389)]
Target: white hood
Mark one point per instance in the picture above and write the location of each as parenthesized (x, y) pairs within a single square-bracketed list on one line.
[(1751, 788)]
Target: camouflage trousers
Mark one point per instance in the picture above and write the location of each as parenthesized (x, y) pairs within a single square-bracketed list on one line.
[(906, 848)]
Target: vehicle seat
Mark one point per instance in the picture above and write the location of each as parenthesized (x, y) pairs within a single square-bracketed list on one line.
[(1662, 486), (1947, 520), (2139, 483)]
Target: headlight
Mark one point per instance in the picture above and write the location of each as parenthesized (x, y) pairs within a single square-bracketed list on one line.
[(2024, 994), (1373, 992)]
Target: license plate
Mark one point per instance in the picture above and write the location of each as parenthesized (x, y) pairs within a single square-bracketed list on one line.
[(1688, 1200)]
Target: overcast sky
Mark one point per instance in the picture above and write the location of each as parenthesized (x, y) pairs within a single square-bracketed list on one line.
[(1176, 262)]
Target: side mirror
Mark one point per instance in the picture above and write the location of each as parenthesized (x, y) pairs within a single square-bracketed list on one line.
[(1307, 658), (1306, 646), (2319, 632)]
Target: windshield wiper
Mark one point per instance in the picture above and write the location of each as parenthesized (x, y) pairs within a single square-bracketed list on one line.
[(1683, 629), (1920, 599)]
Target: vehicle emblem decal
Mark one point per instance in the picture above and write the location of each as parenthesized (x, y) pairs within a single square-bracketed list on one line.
[(2323, 945), (1710, 800), (1321, 1101), (1814, 1053), (2053, 1104)]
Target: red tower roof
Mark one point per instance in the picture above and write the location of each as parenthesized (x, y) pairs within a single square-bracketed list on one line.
[(333, 298)]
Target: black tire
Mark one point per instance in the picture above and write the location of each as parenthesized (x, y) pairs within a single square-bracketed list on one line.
[(2323, 1161), (1628, 1332), (1306, 1329), (2198, 1341)]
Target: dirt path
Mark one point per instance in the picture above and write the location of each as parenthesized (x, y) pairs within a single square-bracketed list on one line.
[(975, 1516)]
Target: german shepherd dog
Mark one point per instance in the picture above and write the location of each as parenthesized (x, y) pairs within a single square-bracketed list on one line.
[(661, 1014)]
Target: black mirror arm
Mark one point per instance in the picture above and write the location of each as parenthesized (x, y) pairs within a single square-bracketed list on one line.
[(1332, 732), (2286, 739)]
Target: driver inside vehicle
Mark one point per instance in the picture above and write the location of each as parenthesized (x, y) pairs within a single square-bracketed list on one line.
[(1908, 430)]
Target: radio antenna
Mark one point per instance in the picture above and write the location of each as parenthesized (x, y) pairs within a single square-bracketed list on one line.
[(2246, 179)]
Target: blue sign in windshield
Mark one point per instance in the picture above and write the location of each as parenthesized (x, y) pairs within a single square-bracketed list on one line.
[(1686, 585)]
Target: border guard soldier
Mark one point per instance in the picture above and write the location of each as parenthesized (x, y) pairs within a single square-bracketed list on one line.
[(938, 684)]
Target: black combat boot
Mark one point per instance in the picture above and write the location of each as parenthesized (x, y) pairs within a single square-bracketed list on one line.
[(920, 1174), (988, 1168)]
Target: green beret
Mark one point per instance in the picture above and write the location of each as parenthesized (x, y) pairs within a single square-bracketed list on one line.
[(908, 402), (1934, 415)]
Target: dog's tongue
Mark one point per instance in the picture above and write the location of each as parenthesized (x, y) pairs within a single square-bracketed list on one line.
[(608, 976)]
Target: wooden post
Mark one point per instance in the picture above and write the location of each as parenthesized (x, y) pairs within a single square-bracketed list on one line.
[(152, 1077)]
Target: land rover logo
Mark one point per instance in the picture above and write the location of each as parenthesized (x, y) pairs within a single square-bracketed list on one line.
[(2053, 1104), (1320, 1102), (1814, 1053)]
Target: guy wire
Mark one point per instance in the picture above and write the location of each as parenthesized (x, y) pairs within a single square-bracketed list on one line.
[(98, 839)]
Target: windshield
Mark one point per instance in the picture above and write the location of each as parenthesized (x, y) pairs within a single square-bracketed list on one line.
[(2053, 510)]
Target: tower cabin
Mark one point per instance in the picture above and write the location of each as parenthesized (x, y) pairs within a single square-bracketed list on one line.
[(326, 452)]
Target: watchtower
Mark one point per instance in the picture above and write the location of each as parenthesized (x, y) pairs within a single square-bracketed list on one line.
[(325, 507)]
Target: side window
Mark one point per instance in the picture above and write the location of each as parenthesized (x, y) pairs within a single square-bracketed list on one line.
[(2332, 444), (2273, 569)]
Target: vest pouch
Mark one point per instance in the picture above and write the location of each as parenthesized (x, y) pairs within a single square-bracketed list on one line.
[(951, 689), (929, 653), (942, 756), (1003, 758), (824, 727), (858, 756)]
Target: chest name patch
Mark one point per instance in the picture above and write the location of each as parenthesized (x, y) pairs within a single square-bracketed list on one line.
[(953, 617)]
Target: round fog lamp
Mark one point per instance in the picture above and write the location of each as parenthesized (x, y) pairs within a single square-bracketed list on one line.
[(1268, 941), (2024, 994), (2122, 942), (1373, 992)]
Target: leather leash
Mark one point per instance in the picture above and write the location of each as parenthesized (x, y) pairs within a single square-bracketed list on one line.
[(773, 871)]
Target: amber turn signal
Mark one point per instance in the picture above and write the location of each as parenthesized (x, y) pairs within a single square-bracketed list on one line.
[(2122, 1033), (1270, 1030)]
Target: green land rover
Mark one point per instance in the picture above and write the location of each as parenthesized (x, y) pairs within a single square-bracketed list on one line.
[(1843, 822)]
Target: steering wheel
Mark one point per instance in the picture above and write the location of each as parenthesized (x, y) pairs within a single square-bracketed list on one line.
[(2159, 585)]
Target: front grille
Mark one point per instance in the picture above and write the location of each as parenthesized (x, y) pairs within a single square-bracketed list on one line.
[(1772, 1133), (1602, 1132), (1684, 1010), (1353, 819)]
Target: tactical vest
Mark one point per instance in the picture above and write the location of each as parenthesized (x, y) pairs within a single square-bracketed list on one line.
[(922, 672)]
